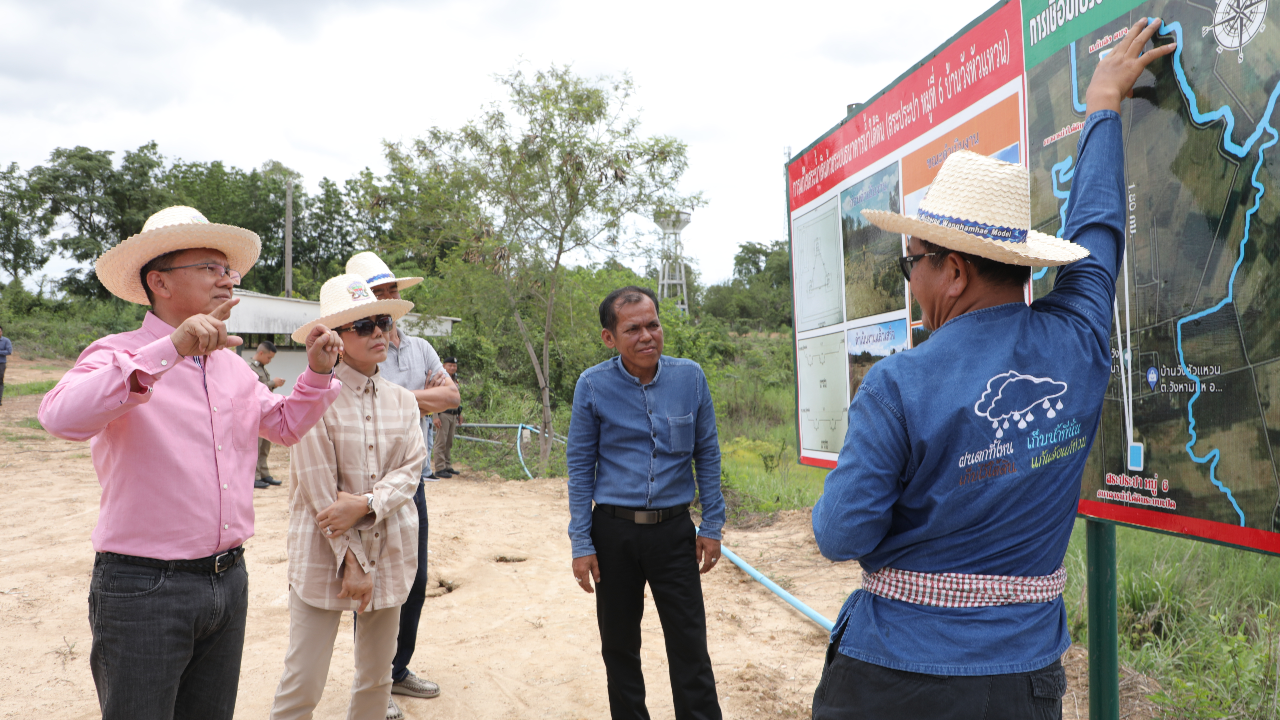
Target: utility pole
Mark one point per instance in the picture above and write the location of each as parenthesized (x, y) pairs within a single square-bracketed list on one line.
[(288, 238), (671, 283)]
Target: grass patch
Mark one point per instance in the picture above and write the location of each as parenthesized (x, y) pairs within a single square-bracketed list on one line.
[(30, 423), (1202, 619), (38, 387)]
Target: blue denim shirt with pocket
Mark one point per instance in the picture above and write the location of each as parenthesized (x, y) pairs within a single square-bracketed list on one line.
[(965, 454), (636, 445)]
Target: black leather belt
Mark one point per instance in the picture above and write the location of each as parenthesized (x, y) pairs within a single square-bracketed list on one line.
[(640, 516), (452, 411), (214, 564)]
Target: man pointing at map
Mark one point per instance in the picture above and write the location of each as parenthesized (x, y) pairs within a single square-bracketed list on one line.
[(957, 484)]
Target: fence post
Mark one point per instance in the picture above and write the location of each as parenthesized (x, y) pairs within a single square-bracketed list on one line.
[(1104, 652)]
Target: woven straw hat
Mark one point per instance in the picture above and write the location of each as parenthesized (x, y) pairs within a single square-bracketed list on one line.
[(347, 298), (175, 228), (981, 206), (375, 272)]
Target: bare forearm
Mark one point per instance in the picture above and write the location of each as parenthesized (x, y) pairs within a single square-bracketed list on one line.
[(432, 400)]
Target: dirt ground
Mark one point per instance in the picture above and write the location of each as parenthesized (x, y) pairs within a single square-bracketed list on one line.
[(507, 633)]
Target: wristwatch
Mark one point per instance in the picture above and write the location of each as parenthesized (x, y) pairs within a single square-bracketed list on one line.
[(369, 499)]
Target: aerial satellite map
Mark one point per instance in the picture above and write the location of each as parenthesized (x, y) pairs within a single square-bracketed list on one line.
[(1189, 421)]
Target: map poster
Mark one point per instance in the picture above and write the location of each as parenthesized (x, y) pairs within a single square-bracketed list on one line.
[(1192, 414), (850, 299)]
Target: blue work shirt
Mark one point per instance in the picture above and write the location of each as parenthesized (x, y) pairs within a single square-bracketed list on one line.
[(6, 349), (938, 475), (636, 445)]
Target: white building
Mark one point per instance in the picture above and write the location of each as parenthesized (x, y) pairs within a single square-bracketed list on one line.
[(259, 317)]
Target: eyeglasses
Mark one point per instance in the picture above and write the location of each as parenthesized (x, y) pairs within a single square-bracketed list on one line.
[(218, 270), (908, 262), (364, 328)]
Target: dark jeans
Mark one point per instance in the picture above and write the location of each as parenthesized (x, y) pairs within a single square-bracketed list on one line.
[(166, 644), (3, 365), (411, 611), (663, 555), (855, 689)]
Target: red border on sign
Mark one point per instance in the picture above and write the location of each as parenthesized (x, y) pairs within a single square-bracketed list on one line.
[(1246, 537), (817, 462), (966, 70)]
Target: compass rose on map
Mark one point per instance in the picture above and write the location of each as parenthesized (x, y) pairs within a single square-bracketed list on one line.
[(1235, 23)]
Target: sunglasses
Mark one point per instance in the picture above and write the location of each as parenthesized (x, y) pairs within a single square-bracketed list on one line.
[(364, 328), (218, 270), (907, 263)]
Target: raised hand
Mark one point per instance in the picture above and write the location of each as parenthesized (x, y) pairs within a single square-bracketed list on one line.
[(202, 334), (1120, 69), (323, 346)]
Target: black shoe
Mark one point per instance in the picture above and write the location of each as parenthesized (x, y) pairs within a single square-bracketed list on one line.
[(270, 480), (444, 474), (259, 484), (451, 471), (433, 476)]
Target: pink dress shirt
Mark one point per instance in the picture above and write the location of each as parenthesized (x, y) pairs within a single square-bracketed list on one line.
[(175, 462)]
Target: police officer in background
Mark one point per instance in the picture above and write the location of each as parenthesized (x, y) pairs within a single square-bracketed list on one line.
[(446, 424), (266, 352)]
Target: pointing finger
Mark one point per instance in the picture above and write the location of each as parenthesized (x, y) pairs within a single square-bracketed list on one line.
[(223, 311)]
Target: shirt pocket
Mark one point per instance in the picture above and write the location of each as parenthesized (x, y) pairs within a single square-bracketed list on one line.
[(245, 420), (681, 429)]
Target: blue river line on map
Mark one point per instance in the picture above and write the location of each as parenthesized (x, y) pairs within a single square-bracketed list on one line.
[(1063, 171)]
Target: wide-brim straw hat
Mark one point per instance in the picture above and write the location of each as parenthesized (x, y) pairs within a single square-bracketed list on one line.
[(347, 298), (375, 272), (981, 206), (174, 228)]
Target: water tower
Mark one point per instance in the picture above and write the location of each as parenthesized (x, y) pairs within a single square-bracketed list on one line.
[(671, 284)]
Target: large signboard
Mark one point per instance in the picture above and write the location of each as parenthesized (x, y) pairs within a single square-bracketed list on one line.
[(1193, 411), (852, 305), (1192, 414)]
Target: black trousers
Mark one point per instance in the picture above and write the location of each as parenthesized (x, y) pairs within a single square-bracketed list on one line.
[(166, 644), (411, 610), (664, 556), (855, 689)]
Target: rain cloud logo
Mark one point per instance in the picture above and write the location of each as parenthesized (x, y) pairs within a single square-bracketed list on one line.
[(1014, 396)]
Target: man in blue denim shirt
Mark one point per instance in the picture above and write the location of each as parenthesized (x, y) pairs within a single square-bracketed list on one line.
[(964, 456), (641, 423)]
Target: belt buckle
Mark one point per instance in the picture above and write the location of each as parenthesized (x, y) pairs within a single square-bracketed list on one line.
[(217, 562), (646, 517)]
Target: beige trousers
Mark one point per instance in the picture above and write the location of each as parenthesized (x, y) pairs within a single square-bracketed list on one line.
[(441, 455), (306, 666), (264, 449)]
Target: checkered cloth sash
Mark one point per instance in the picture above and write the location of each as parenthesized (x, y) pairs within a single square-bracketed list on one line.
[(963, 590)]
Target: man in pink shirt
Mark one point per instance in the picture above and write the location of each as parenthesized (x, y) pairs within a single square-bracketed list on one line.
[(173, 421)]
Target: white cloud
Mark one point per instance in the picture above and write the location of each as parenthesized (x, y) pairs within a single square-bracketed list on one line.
[(318, 85)]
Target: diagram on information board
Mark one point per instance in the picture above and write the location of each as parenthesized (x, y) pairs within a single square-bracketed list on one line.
[(819, 300), (823, 393)]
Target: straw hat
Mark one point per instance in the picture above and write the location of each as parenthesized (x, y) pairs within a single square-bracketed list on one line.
[(347, 298), (981, 206), (375, 272), (175, 228)]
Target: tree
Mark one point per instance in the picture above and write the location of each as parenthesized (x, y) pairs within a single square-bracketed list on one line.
[(758, 297), (24, 221), (558, 170)]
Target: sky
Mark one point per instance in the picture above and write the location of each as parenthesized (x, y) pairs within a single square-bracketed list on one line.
[(319, 84)]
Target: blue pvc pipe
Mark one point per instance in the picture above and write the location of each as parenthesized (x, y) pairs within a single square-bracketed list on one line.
[(791, 599), (520, 453)]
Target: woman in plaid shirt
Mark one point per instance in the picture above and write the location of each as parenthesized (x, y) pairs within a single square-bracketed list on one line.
[(353, 528)]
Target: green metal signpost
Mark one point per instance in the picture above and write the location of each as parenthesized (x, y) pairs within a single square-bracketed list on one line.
[(1104, 646)]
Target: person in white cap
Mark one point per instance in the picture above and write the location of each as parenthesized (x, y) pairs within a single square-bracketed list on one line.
[(958, 513), (353, 531), (412, 364), (173, 419)]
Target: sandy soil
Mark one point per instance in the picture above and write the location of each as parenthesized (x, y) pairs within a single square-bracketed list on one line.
[(507, 633)]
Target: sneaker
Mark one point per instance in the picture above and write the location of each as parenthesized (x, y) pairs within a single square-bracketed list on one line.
[(414, 686), (259, 484), (451, 471), (444, 474), (394, 712), (270, 480)]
